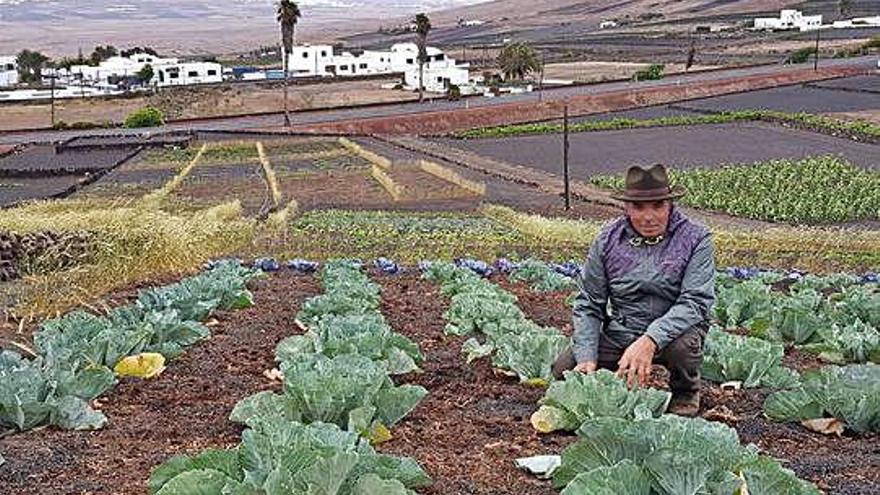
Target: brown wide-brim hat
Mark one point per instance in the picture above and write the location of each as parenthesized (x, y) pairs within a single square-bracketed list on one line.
[(648, 184)]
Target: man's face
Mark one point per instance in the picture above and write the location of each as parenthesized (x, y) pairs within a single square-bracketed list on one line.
[(649, 218)]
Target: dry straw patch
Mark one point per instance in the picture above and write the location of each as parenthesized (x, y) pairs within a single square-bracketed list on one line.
[(131, 243), (815, 249), (271, 179), (392, 188), (367, 155), (451, 176)]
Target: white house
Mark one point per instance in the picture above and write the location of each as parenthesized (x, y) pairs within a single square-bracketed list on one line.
[(439, 73), (321, 61), (166, 72), (310, 61), (186, 73), (607, 24), (8, 72), (789, 19), (402, 58)]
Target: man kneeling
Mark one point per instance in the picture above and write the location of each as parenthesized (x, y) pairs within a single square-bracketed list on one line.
[(645, 293)]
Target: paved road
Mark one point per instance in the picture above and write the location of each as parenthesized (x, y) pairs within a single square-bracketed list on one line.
[(241, 123)]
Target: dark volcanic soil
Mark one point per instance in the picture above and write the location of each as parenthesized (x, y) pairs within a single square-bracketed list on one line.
[(473, 424), (612, 152), (466, 432), (185, 410)]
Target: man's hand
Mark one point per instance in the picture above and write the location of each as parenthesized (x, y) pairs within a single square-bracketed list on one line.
[(635, 364), (586, 367)]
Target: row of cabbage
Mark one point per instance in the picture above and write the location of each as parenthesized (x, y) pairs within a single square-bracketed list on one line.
[(627, 445), (79, 356), (496, 325), (836, 317), (316, 436)]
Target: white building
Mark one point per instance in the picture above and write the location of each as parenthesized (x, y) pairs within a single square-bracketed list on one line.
[(186, 73), (858, 22), (607, 24), (402, 58), (321, 61), (8, 72), (440, 71), (789, 19), (166, 72)]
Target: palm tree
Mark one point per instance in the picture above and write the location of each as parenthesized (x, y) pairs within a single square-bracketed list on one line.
[(844, 8), (288, 15), (517, 60), (423, 27), (692, 55)]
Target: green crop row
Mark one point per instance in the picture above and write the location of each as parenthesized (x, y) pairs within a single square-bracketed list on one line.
[(481, 309), (625, 443), (817, 122), (315, 435), (813, 190), (407, 237), (77, 354)]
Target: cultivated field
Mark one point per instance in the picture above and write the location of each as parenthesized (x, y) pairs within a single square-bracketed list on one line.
[(386, 310)]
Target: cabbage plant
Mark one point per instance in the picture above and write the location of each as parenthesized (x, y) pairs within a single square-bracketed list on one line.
[(222, 287), (743, 304), (36, 392), (798, 317), (284, 457), (850, 393), (860, 302), (856, 342), (77, 352), (490, 314), (581, 397), (349, 390), (669, 455), (365, 334), (754, 362), (541, 275)]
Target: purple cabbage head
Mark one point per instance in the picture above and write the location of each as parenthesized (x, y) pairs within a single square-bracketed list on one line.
[(302, 266)]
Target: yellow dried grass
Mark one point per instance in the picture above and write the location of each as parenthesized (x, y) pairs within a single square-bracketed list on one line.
[(451, 176), (392, 188), (269, 174), (817, 249), (367, 155), (132, 243)]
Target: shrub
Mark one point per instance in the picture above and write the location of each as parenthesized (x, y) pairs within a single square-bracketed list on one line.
[(802, 55), (454, 92), (145, 117), (651, 73)]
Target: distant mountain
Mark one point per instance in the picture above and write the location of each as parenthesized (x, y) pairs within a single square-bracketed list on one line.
[(321, 10), (187, 26), (61, 27)]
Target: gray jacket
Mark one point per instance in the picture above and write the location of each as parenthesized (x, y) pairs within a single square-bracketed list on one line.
[(627, 291)]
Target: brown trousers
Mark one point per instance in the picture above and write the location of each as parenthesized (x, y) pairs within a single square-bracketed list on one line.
[(683, 357)]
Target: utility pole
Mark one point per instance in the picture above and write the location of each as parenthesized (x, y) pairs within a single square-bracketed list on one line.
[(52, 98), (541, 84), (565, 157), (816, 55)]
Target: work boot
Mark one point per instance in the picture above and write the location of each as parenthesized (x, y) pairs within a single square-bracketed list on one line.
[(687, 405)]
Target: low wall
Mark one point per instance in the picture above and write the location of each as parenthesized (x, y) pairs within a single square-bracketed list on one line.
[(444, 122)]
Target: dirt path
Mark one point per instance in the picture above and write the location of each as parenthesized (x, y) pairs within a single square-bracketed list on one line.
[(473, 424), (184, 411)]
